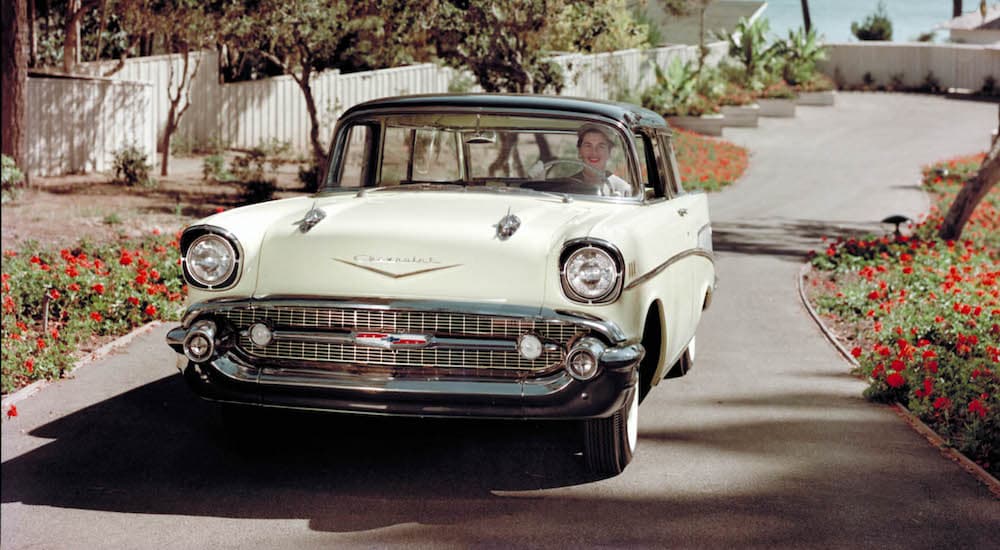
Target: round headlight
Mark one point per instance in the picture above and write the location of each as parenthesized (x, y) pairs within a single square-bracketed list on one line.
[(591, 273), (210, 260)]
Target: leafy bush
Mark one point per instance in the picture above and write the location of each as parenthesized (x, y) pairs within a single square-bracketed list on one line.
[(132, 168), (676, 92), (818, 83), (926, 315), (12, 179), (213, 169), (876, 26), (55, 301), (309, 177), (748, 45), (798, 56), (778, 90), (248, 170)]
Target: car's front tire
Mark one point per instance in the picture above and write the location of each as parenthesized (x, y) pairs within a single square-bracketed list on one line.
[(609, 443)]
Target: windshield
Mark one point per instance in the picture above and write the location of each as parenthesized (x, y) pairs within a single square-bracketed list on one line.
[(477, 151)]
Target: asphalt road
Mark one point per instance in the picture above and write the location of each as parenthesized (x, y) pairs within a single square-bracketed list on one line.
[(767, 443)]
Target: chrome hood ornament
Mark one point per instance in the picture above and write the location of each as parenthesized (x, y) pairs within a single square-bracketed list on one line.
[(312, 217), (507, 226)]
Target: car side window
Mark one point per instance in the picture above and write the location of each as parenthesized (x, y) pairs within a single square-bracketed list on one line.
[(672, 176), (649, 170), (355, 159)]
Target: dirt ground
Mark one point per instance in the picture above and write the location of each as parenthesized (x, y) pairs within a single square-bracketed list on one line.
[(59, 211)]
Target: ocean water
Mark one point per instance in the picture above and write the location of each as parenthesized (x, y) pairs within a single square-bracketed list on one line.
[(832, 18)]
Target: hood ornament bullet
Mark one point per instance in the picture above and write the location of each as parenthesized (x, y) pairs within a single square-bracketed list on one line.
[(507, 226), (312, 217)]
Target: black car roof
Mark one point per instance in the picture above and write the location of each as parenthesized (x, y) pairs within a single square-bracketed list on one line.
[(630, 115)]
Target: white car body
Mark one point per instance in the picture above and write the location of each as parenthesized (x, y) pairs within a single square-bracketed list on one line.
[(487, 249)]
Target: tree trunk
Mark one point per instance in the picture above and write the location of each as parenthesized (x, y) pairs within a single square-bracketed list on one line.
[(956, 8), (971, 194), (805, 15), (32, 35), (168, 131), (100, 29), (14, 72), (319, 152), (71, 35)]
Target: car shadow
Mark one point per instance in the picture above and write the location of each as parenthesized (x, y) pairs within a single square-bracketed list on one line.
[(159, 450)]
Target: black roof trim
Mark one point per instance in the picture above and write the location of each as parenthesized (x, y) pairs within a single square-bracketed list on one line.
[(630, 115)]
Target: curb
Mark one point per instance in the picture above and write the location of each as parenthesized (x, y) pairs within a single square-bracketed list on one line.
[(99, 353), (918, 425)]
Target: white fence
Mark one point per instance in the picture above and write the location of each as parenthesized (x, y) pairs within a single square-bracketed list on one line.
[(247, 114), (76, 125), (953, 65)]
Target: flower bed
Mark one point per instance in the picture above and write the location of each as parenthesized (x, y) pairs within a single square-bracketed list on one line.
[(707, 164), (57, 302), (924, 316)]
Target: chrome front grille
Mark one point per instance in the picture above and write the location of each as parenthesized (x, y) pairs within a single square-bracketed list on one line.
[(429, 361)]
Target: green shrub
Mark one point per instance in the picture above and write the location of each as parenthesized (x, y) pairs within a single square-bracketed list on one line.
[(12, 179), (876, 26), (798, 55), (132, 168), (213, 169), (248, 170)]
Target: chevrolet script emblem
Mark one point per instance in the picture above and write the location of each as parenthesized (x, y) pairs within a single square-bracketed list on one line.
[(396, 267), (384, 340)]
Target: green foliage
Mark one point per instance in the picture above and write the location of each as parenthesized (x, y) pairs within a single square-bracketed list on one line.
[(799, 54), (248, 169), (213, 169), (56, 301), (876, 26), (131, 168), (748, 46), (674, 90), (309, 175), (12, 179), (926, 316), (602, 26), (502, 44)]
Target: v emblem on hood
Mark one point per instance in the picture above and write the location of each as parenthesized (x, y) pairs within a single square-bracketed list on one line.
[(396, 275)]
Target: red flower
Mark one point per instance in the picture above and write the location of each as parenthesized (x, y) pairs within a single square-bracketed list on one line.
[(98, 288), (8, 304), (929, 354), (35, 260), (125, 259), (54, 333), (72, 271), (219, 209), (12, 411), (895, 380), (96, 315), (150, 310), (856, 352), (74, 287), (942, 403), (40, 344), (976, 407), (932, 366), (898, 365), (133, 300), (907, 270), (140, 279)]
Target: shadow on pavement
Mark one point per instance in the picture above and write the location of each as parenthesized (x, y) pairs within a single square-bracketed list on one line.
[(159, 450), (788, 239)]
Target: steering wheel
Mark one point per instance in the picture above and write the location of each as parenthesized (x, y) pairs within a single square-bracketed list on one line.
[(568, 168)]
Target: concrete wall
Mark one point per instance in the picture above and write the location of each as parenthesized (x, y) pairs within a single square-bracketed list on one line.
[(954, 65)]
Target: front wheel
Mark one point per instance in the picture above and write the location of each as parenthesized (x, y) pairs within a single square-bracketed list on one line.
[(609, 443)]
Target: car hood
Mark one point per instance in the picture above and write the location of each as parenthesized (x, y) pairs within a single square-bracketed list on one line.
[(420, 245)]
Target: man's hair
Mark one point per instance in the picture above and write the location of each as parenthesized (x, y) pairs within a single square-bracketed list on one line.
[(594, 128)]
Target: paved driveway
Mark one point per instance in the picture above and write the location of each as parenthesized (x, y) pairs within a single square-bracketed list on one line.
[(766, 444)]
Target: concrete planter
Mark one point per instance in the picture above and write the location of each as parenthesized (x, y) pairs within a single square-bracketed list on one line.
[(777, 107), (820, 99), (709, 125), (741, 115)]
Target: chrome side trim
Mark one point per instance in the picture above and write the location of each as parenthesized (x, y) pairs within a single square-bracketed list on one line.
[(674, 259)]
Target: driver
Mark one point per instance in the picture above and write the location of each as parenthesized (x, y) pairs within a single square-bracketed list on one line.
[(594, 144)]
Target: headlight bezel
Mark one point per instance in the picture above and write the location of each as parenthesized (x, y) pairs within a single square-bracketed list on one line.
[(197, 233), (570, 249)]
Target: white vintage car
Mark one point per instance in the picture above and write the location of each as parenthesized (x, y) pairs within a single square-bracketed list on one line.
[(492, 256)]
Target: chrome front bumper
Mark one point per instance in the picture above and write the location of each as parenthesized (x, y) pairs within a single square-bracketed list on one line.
[(233, 376)]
